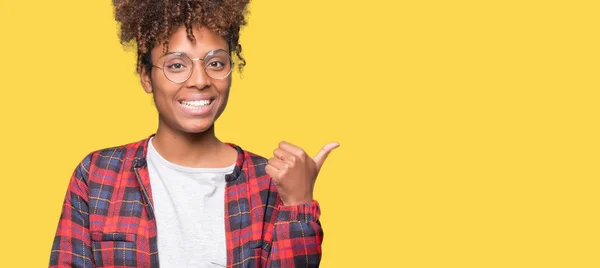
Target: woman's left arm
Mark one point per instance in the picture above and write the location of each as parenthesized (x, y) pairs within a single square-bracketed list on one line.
[(297, 231)]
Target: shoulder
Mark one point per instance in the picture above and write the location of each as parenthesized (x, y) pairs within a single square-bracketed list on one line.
[(254, 159), (113, 158), (251, 163), (247, 157)]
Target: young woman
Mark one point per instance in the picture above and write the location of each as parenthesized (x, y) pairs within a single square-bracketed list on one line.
[(182, 197)]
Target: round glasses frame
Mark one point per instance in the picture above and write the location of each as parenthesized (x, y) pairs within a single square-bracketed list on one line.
[(209, 55)]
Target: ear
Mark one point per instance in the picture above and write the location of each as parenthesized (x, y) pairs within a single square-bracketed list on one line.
[(146, 80)]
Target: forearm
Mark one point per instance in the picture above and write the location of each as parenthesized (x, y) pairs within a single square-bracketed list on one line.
[(298, 236)]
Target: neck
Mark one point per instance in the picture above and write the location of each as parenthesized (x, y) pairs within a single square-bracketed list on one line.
[(192, 149)]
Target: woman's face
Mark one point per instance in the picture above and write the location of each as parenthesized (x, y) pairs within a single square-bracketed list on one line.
[(194, 105)]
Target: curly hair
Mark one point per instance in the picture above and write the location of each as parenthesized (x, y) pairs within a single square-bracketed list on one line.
[(148, 23)]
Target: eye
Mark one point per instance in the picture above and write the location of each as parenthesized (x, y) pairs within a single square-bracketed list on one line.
[(176, 63), (176, 66), (216, 64)]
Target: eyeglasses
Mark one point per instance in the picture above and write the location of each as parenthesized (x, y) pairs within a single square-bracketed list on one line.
[(178, 67)]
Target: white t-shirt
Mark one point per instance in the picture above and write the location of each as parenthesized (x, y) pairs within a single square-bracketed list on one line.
[(189, 207)]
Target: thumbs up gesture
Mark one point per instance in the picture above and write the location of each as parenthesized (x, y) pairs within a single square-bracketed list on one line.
[(294, 172)]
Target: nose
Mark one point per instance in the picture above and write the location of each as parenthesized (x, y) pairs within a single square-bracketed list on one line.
[(198, 79)]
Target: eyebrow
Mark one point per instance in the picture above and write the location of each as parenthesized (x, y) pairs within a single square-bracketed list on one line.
[(177, 51)]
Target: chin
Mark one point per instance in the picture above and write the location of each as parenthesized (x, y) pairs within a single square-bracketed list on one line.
[(195, 128)]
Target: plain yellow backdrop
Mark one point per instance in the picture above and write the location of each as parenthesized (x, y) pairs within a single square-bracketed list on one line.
[(469, 130)]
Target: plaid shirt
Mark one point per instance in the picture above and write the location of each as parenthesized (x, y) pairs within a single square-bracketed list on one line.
[(107, 217)]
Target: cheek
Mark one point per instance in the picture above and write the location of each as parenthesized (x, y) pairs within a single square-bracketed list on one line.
[(162, 95), (224, 92), (225, 96), (161, 86), (223, 87)]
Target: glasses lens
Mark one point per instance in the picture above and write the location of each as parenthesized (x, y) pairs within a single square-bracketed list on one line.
[(218, 64), (178, 67)]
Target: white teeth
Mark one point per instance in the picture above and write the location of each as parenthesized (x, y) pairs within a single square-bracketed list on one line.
[(195, 104)]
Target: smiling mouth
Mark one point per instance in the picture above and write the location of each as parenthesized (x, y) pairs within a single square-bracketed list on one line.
[(196, 105)]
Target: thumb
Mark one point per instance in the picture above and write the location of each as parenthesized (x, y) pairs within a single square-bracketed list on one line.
[(322, 155)]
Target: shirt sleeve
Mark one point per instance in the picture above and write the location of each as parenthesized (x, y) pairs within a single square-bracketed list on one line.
[(71, 246), (297, 235)]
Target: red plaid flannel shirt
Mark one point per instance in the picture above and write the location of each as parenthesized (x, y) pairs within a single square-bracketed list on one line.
[(107, 216)]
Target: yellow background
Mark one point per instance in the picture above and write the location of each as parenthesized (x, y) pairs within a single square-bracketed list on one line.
[(469, 130)]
